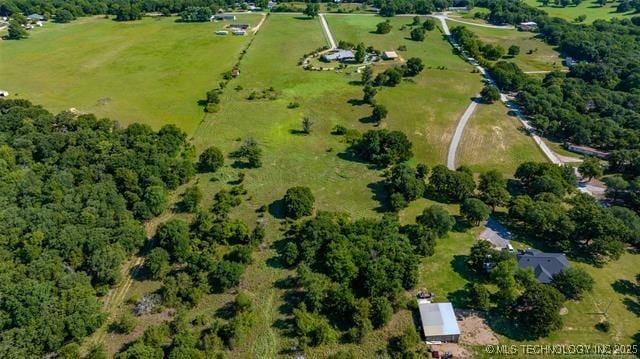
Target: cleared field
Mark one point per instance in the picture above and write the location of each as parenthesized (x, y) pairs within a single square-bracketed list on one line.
[(495, 140), (428, 106), (535, 55), (152, 71), (591, 9)]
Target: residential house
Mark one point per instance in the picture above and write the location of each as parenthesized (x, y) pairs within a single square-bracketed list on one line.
[(545, 265), (389, 55), (338, 55)]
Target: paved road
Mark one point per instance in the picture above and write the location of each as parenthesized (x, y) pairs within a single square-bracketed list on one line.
[(327, 32)]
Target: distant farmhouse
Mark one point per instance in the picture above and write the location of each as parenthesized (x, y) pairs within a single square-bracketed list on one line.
[(439, 322), (588, 151), (527, 26), (339, 55), (545, 265), (35, 17), (389, 55), (222, 17)]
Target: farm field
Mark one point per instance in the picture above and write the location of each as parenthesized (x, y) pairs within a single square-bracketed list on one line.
[(438, 96), (590, 8), (535, 55), (152, 71), (495, 140), (155, 71)]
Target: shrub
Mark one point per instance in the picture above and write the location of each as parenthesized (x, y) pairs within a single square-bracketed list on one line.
[(298, 202), (210, 160)]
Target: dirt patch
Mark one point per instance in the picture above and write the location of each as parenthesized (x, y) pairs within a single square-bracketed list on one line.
[(474, 329), (456, 350), (103, 101)]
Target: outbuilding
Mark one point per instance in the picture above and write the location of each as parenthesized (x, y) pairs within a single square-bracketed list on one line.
[(35, 17), (389, 55), (4, 93), (439, 322), (527, 26)]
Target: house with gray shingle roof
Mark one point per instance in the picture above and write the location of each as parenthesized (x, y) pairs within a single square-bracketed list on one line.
[(545, 265)]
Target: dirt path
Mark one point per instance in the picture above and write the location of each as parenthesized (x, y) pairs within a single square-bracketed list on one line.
[(257, 27), (327, 32)]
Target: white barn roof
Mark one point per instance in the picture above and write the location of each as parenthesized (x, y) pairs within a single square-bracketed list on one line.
[(438, 319)]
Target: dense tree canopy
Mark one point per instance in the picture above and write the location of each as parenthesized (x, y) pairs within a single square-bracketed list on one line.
[(72, 188)]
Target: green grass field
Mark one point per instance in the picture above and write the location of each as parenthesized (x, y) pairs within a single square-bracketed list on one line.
[(495, 140), (152, 71), (590, 8), (542, 57)]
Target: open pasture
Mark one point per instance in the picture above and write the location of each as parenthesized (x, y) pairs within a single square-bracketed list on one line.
[(152, 71)]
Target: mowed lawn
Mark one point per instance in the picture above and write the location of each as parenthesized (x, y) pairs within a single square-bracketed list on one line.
[(152, 71), (495, 140), (535, 55), (590, 8)]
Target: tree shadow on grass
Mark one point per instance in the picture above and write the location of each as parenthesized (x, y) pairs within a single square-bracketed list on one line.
[(227, 311), (460, 266), (380, 195), (626, 287), (632, 305), (356, 102), (240, 165), (297, 132), (276, 261), (276, 208), (369, 120), (459, 298), (305, 18), (502, 325)]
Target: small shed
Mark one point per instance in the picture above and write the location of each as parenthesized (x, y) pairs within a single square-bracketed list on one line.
[(439, 323), (4, 93), (389, 55), (222, 32), (221, 17), (239, 32)]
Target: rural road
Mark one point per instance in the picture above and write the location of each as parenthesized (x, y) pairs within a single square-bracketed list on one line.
[(502, 27), (327, 32), (457, 136)]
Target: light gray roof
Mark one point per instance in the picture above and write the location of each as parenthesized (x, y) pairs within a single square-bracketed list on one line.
[(339, 55), (544, 265), (35, 17), (437, 319), (497, 234)]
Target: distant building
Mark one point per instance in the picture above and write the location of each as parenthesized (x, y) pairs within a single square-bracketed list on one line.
[(527, 26), (239, 32), (4, 93), (588, 151), (222, 17), (35, 17), (545, 265), (239, 26), (222, 32), (439, 323), (389, 55), (457, 8), (339, 55)]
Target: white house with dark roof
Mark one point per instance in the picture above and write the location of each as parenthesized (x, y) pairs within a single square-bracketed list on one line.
[(545, 265)]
